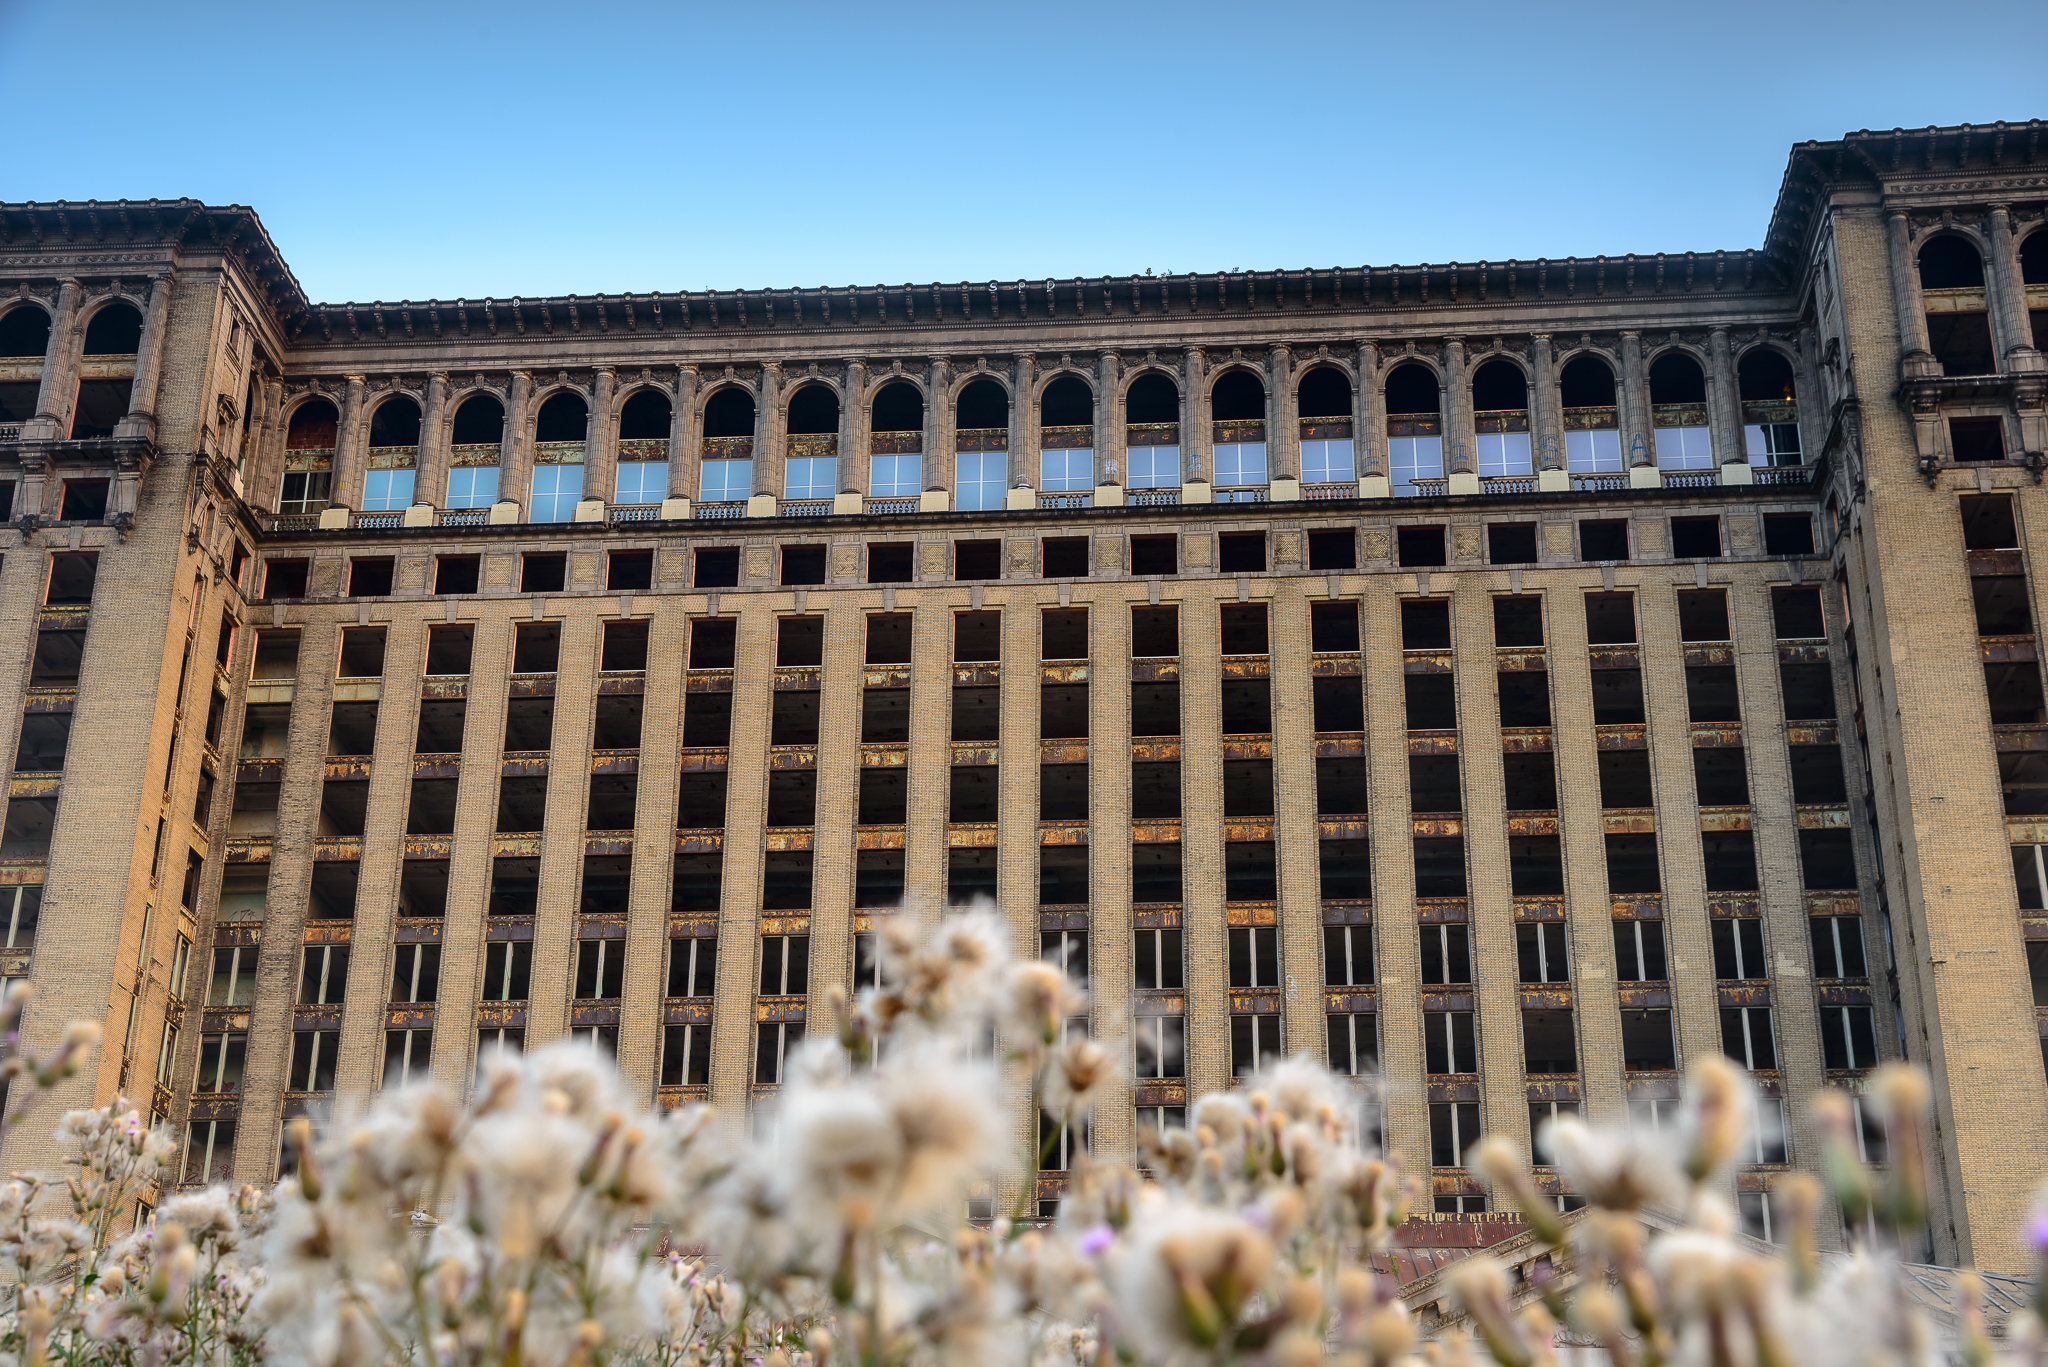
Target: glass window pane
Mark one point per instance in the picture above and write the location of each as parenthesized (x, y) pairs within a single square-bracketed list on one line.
[(1241, 463), (386, 490), (978, 479), (895, 475), (1593, 452), (1505, 453), (1413, 458), (642, 481), (1071, 470), (556, 489), (726, 481), (1684, 448), (1328, 462), (473, 486), (814, 477), (1155, 467)]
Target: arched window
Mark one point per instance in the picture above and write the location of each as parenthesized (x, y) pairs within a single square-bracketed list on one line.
[(727, 474), (1415, 434), (1770, 411), (1678, 413), (477, 441), (981, 446), (1152, 432), (810, 467), (1066, 436), (24, 339), (896, 443), (2033, 272), (558, 448), (309, 438), (1592, 426), (1500, 417), (1323, 399), (106, 375), (1952, 292), (394, 455), (1237, 408), (642, 476)]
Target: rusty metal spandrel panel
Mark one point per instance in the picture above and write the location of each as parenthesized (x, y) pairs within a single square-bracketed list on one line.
[(986, 673), (224, 1018), (1351, 1000), (1554, 1087), (1709, 652), (686, 1011), (708, 681), (1516, 659), (1438, 742), (1347, 911), (615, 761), (14, 963), (1156, 831), (342, 849), (1539, 908), (594, 1013), (1546, 997), (1743, 994), (1614, 657), (1822, 818), (891, 756), (705, 840), (532, 685), (444, 687), (2033, 927), (1735, 905), (1437, 824), (1632, 735), (270, 691), (1161, 1092), (1330, 664), (1248, 747), (799, 678), (789, 923), (972, 752), (1152, 1002), (1628, 821), (704, 759), (1063, 672), (790, 838), (1437, 911), (1833, 904), (1455, 998), (1807, 652), (792, 757), (1247, 666), (1254, 1001), (1724, 819), (1844, 994), (1340, 744), (345, 768), (2027, 830), (437, 766), (1238, 828), (516, 845), (1644, 998), (41, 698), (1427, 661), (247, 849), (418, 930), (1155, 669), (2007, 649), (1710, 735), (1455, 1087), (523, 764), (243, 933), (501, 1015), (508, 928), (1062, 833), (616, 682), (960, 835), (1063, 918), (771, 1010), (215, 1106), (1063, 752), (358, 690), (1813, 733), (2012, 738), (1152, 748), (693, 925), (1996, 562), (878, 837), (1158, 915), (428, 847), (67, 617), (413, 1016), (15, 872), (885, 676), (1532, 823), (1251, 913), (607, 842), (601, 925), (1523, 740), (317, 1017)]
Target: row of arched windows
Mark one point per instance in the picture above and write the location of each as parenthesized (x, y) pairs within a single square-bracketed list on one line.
[(983, 469), (1956, 303), (106, 378)]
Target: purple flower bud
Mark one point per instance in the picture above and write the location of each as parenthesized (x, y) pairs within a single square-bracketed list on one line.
[(1097, 1240), (2037, 1232)]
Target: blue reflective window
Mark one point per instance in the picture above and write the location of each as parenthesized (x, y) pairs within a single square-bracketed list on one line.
[(642, 481), (978, 479), (385, 490), (1413, 458), (1155, 467), (811, 477), (1328, 462), (895, 475), (1063, 471), (726, 481), (473, 486), (556, 491)]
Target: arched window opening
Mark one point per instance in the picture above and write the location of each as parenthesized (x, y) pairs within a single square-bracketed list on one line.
[(1327, 453), (309, 439), (24, 338), (981, 446), (1500, 416), (810, 468), (642, 475), (895, 448), (814, 412), (727, 472), (1592, 424), (1415, 440), (1066, 436), (1678, 413), (106, 372), (1770, 411), (2033, 278), (394, 455), (558, 448), (1152, 432), (1237, 409), (1952, 293), (476, 442)]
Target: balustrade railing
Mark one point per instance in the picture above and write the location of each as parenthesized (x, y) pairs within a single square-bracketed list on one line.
[(463, 517), (1152, 498), (633, 512), (1056, 500), (1320, 492), (806, 507), (891, 504), (1242, 494), (714, 512)]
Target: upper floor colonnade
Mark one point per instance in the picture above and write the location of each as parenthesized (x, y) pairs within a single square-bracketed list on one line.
[(1367, 420)]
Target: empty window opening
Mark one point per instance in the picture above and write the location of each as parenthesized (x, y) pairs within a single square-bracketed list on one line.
[(1421, 546), (71, 579), (332, 895), (977, 714), (1063, 792), (786, 880), (1152, 398), (882, 798), (1433, 784), (1243, 629), (803, 565), (1333, 628), (1518, 621), (1703, 616), (285, 578), (1720, 776), (1063, 634), (1809, 694), (536, 647), (480, 421), (543, 573), (1827, 860), (1238, 397), (713, 641), (1624, 779), (352, 729), (1632, 864), (432, 810), (1739, 948), (1063, 711), (1730, 859), (1249, 872), (878, 878), (970, 876), (1535, 866), (84, 500), (1440, 867), (25, 334), (885, 715), (1241, 552), (455, 574), (1788, 534), (1154, 555), (1343, 787), (1602, 541), (977, 560), (697, 883), (983, 406), (1796, 615), (1156, 872), (717, 568), (1549, 1045), (1511, 543), (1639, 952), (890, 563), (1610, 619), (1155, 632), (1529, 781), (625, 648), (1696, 538), (1976, 439), (1067, 402), (975, 790), (629, 571), (1617, 696), (888, 638), (1817, 775), (1063, 875), (1155, 709), (1646, 1042), (1155, 789), (1431, 700), (1543, 952), (1064, 557), (700, 801), (613, 797), (1988, 522), (563, 418), (522, 804), (1338, 703), (1524, 697), (1952, 292), (1247, 707), (1425, 624), (423, 889), (1333, 550)]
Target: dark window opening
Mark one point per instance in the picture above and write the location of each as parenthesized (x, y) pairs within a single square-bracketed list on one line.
[(878, 878), (1433, 784), (729, 413), (1524, 697), (1063, 875), (536, 648), (802, 565), (1518, 621), (1720, 776), (1333, 628), (629, 570), (977, 714), (1624, 779), (1617, 697), (625, 648), (1333, 550), (1150, 555), (977, 560), (1646, 1042), (1603, 540), (1809, 692), (1249, 872), (1345, 869), (1247, 707), (1610, 619), (697, 884), (1421, 546), (1632, 864), (1155, 789), (717, 569), (885, 715), (1440, 867), (975, 790), (977, 637), (1988, 522), (1529, 781), (1241, 552), (285, 578), (1063, 711), (1788, 534), (1063, 634), (480, 422), (1976, 439), (700, 801), (1155, 709), (1796, 615), (1425, 624), (1338, 703), (1063, 792), (1711, 693), (1703, 616), (1511, 543), (543, 573), (1827, 860), (72, 577), (1155, 633), (889, 563), (792, 797), (1730, 858), (456, 573), (786, 880), (1432, 701), (564, 417), (1696, 538), (984, 405), (1064, 557), (1343, 787), (1535, 866), (814, 411), (1549, 1044), (712, 642), (1237, 397), (1156, 873), (888, 640), (85, 500), (1243, 629), (370, 578), (2001, 605), (970, 875), (1676, 378)]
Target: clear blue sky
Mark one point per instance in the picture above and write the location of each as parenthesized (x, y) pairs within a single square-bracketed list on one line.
[(439, 150)]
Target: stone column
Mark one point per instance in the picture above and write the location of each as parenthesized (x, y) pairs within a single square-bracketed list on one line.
[(1194, 428), (600, 434), (1283, 433), (1724, 401), (853, 430), (53, 400), (259, 482), (140, 423), (1543, 405), (430, 484), (936, 471), (767, 424), (1022, 461), (1898, 237), (1461, 448), (1109, 431), (515, 455), (1368, 423), (684, 448), (349, 452), (2009, 297), (1635, 406)]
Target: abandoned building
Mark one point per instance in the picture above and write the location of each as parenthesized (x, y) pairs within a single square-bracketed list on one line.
[(1505, 680)]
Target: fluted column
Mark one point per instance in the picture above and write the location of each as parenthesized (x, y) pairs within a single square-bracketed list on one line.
[(935, 471), (1194, 428), (1635, 406), (1368, 423), (2009, 296), (349, 452), (1898, 239), (1724, 404), (767, 430), (140, 422), (684, 455), (1283, 433), (853, 429), (259, 482), (515, 454), (53, 400), (599, 437), (1543, 404), (1109, 428), (1461, 450), (1023, 443), (430, 486)]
